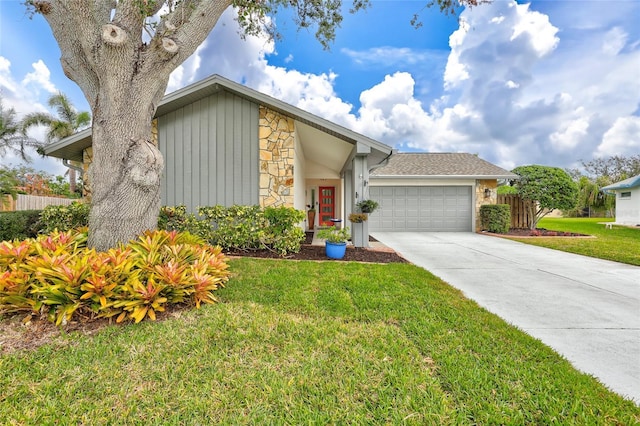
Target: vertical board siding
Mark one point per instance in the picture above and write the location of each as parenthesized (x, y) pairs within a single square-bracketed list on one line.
[(210, 149)]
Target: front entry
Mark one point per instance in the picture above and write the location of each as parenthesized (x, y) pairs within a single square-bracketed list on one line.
[(327, 205)]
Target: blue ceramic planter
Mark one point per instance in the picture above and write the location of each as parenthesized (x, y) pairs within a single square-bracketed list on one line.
[(335, 250)]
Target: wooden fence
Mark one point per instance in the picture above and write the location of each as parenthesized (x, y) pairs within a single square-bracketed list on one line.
[(31, 202), (520, 210)]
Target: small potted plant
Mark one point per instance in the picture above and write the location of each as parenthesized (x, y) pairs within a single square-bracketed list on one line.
[(367, 206), (358, 217), (311, 216), (311, 210), (336, 241)]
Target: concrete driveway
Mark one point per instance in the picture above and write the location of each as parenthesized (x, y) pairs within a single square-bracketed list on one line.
[(586, 309)]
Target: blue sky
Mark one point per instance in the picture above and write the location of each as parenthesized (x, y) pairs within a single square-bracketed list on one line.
[(546, 82)]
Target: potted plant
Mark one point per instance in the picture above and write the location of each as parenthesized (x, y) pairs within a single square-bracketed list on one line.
[(336, 241), (360, 231), (358, 217), (311, 216), (367, 206), (311, 211)]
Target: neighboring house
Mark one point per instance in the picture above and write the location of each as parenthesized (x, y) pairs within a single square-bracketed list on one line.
[(627, 200), (433, 192), (224, 143)]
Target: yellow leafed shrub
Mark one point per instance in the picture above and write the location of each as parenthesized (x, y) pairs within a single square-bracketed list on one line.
[(58, 276)]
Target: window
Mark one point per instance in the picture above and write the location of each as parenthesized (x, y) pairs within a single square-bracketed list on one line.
[(626, 194)]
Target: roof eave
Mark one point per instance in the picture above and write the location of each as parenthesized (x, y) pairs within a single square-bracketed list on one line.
[(445, 176), (213, 84), (625, 184)]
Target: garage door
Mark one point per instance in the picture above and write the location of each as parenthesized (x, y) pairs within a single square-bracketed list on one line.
[(421, 208)]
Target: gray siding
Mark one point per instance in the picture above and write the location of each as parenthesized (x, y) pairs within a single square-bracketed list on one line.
[(210, 150)]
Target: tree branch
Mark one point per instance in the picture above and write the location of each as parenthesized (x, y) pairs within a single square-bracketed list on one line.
[(75, 37), (193, 20)]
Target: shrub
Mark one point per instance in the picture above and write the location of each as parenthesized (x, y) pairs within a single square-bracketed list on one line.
[(64, 218), (57, 276), (507, 190), (252, 228), (495, 218), (177, 219), (283, 234), (236, 227), (19, 225)]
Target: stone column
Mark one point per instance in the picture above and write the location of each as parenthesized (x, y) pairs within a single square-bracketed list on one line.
[(277, 148)]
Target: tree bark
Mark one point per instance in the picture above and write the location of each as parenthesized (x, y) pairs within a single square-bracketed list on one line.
[(128, 167)]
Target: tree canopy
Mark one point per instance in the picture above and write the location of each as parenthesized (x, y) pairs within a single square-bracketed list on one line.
[(598, 173), (12, 135), (65, 123), (550, 187), (612, 169)]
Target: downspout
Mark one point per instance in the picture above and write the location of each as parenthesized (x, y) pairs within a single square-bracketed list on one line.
[(72, 175), (66, 163), (383, 162)]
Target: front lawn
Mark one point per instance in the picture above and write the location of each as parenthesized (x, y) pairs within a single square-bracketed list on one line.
[(309, 343), (619, 244)]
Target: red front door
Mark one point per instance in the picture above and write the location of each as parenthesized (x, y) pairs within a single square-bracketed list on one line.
[(327, 205)]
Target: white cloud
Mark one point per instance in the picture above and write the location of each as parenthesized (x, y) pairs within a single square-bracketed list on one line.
[(40, 77), (614, 41), (518, 90), (623, 138), (571, 136), (390, 56), (536, 28), (24, 96)]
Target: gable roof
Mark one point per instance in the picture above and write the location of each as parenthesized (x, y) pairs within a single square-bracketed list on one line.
[(71, 148), (441, 165), (623, 184)]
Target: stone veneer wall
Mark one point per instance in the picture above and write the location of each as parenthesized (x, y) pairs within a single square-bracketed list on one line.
[(481, 185), (276, 134), (87, 158)]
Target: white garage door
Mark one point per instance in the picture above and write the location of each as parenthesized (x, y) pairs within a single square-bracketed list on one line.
[(421, 208)]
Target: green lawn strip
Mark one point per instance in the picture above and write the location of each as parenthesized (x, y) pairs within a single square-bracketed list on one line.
[(620, 244), (493, 372), (309, 343)]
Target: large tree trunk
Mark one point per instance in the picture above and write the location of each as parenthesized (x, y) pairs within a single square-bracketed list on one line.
[(128, 167)]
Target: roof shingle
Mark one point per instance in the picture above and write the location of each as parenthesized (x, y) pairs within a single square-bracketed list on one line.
[(441, 164)]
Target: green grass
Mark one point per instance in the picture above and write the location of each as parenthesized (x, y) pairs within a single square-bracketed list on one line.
[(310, 343), (619, 244)]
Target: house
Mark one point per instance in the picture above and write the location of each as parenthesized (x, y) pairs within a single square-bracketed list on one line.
[(224, 143), (627, 200)]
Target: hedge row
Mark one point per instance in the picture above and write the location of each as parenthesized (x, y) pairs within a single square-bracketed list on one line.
[(232, 228)]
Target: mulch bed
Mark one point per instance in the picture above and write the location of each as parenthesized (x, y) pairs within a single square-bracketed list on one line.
[(541, 232), (309, 252)]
